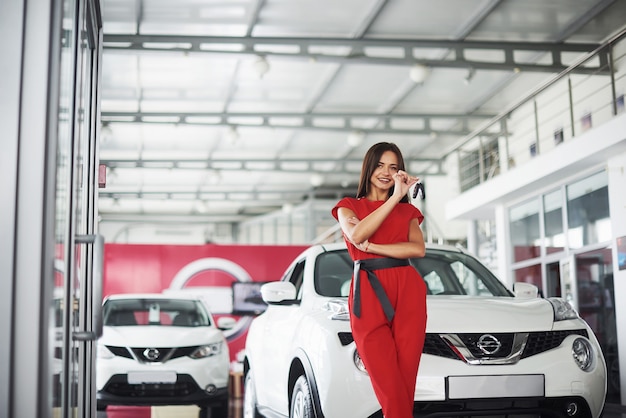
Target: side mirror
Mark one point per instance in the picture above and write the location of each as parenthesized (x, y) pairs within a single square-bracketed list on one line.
[(525, 290), (277, 292), (226, 322)]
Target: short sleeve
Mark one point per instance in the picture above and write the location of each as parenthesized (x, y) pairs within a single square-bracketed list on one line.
[(416, 213), (346, 202)]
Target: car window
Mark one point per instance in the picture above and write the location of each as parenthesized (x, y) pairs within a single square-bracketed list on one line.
[(295, 276), (164, 312), (333, 272), (455, 273)]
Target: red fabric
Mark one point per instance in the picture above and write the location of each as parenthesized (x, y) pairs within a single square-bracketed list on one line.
[(392, 351)]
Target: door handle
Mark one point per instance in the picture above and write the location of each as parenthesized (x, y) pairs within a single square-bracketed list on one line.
[(96, 295)]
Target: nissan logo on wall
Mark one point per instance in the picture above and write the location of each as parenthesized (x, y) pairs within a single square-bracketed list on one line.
[(488, 344), (238, 273)]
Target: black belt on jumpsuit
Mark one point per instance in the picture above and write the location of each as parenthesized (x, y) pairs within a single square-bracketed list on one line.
[(369, 265)]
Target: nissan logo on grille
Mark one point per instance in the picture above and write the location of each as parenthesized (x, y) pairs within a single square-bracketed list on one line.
[(151, 354), (488, 344)]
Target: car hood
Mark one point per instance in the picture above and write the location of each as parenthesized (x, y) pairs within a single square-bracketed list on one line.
[(502, 314), (159, 336)]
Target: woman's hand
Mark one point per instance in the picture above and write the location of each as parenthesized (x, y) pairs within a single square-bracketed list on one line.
[(403, 182)]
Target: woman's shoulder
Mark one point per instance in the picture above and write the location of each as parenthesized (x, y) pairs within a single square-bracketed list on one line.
[(346, 202)]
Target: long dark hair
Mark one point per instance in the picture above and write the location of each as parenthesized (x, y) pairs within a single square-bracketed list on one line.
[(370, 162)]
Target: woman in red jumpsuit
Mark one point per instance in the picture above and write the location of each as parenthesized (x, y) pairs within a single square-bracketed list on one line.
[(388, 297)]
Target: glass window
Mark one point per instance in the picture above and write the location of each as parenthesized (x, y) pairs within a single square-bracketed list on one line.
[(553, 221), (596, 299), (588, 211), (530, 274), (172, 312), (524, 228)]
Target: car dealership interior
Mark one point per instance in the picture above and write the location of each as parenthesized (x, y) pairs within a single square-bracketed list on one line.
[(196, 147)]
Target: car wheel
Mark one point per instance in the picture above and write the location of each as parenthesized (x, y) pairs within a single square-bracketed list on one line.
[(301, 401), (249, 398)]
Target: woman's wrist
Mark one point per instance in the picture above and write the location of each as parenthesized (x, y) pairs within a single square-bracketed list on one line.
[(367, 246)]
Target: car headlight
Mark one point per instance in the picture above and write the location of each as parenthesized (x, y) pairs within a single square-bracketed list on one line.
[(103, 352), (562, 309), (207, 350), (582, 351), (358, 362), (338, 309)]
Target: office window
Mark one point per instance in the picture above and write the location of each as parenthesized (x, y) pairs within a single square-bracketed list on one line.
[(553, 222), (588, 219), (530, 274), (524, 229)]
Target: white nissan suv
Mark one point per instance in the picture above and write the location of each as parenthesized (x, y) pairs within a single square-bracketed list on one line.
[(162, 350), (489, 351)]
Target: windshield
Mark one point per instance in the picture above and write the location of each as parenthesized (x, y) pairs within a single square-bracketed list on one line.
[(168, 312), (445, 273)]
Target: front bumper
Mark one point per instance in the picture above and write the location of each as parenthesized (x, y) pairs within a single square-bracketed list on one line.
[(565, 384), (563, 407), (117, 391)]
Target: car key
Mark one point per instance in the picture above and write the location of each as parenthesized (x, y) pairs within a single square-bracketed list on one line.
[(419, 189)]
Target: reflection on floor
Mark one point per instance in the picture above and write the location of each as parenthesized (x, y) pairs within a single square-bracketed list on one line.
[(165, 411), (235, 389)]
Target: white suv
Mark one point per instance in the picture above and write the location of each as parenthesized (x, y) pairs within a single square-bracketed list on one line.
[(162, 350), (489, 351)]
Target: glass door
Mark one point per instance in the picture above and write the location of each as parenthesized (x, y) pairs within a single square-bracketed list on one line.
[(78, 255)]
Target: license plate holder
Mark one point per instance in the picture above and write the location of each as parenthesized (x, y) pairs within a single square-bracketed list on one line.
[(496, 386), (137, 378)]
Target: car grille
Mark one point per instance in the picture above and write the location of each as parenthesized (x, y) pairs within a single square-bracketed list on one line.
[(535, 343), (539, 342), (164, 354), (118, 385)]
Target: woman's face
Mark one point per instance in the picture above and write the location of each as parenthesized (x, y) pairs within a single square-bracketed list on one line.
[(382, 177)]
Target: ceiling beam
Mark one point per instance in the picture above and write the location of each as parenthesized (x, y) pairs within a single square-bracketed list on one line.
[(283, 165), (399, 51), (329, 121)]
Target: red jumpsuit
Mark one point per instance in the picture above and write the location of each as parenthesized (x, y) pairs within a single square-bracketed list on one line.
[(391, 351)]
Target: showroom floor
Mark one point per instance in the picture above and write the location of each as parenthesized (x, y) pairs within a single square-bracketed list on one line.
[(611, 411)]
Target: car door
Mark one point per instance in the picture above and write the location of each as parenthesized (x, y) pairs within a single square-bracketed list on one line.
[(280, 325)]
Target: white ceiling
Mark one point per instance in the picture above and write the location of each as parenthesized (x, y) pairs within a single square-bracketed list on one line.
[(191, 129)]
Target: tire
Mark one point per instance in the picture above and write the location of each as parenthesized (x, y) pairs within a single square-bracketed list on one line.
[(301, 400), (250, 407)]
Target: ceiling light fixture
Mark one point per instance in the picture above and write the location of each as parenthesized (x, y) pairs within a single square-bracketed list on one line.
[(418, 73), (215, 178), (261, 66), (471, 72), (287, 208), (232, 135), (355, 138), (317, 180), (106, 132)]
